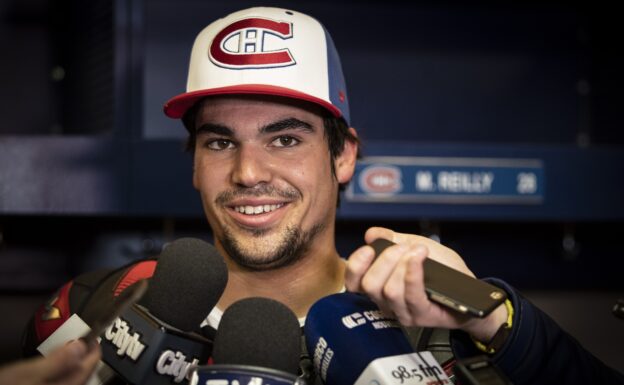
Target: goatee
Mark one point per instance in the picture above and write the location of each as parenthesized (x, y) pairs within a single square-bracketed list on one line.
[(293, 246)]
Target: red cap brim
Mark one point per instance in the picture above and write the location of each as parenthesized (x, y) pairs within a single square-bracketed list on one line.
[(177, 106)]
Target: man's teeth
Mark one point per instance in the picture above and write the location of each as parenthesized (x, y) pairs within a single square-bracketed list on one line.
[(253, 210)]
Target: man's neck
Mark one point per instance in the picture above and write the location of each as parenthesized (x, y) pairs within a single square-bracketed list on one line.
[(297, 286)]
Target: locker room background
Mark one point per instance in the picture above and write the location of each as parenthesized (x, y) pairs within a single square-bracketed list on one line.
[(92, 174)]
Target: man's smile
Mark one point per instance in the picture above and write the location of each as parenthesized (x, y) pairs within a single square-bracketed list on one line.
[(256, 212), (263, 166)]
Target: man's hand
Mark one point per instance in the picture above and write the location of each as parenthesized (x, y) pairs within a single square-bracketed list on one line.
[(71, 364), (395, 282)]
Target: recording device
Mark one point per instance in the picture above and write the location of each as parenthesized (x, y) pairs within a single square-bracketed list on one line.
[(479, 370), (351, 341), (258, 341), (452, 288), (155, 342), (74, 328), (105, 317)]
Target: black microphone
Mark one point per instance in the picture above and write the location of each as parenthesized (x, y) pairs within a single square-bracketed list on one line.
[(156, 342), (258, 339)]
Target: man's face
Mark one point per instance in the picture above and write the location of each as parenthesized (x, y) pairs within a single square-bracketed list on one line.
[(262, 167)]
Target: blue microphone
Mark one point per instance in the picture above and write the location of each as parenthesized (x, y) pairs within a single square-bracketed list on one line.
[(351, 341)]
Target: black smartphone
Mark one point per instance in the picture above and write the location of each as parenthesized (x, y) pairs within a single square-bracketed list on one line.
[(453, 288)]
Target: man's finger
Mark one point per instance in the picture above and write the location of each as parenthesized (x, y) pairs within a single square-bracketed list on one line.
[(81, 374), (415, 294), (357, 265), (63, 360), (394, 293), (379, 232), (380, 271)]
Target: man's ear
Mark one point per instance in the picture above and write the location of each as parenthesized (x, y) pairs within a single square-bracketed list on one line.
[(345, 162)]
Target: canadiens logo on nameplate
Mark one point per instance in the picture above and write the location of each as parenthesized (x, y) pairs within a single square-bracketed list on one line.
[(448, 180), (384, 180), (252, 43)]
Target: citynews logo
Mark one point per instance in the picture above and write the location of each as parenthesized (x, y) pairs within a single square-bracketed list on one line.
[(127, 343), (353, 320), (377, 318), (174, 364)]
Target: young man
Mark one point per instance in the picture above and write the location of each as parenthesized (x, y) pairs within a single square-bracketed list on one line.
[(267, 111)]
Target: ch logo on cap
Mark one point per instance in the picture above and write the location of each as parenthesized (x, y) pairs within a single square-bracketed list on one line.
[(246, 43)]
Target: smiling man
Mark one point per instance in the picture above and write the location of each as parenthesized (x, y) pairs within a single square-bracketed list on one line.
[(267, 113), (263, 167)]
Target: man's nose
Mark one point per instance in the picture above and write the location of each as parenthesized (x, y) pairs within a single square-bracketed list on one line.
[(252, 166)]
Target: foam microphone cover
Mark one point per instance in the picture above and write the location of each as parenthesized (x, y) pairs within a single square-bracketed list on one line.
[(345, 332), (188, 281), (259, 332)]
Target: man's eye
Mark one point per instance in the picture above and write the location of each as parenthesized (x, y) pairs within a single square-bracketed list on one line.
[(220, 144), (285, 141)]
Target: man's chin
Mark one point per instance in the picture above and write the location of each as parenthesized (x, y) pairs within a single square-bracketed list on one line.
[(263, 252), (258, 232), (249, 238), (253, 263)]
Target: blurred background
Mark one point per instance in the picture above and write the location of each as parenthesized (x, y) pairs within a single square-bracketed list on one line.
[(493, 127)]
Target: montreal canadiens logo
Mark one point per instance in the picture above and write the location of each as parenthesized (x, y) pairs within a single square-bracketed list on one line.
[(381, 180), (252, 43)]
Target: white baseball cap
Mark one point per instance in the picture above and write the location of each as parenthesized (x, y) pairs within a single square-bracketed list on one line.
[(266, 51)]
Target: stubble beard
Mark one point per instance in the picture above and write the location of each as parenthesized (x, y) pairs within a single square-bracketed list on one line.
[(293, 246), (265, 252)]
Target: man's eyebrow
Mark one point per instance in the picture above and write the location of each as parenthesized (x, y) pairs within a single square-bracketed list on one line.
[(213, 128), (287, 124)]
